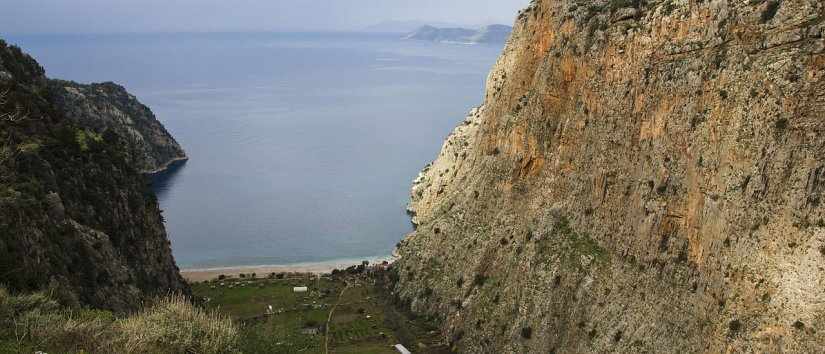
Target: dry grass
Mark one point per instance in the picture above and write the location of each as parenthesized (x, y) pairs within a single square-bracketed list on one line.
[(169, 325), (173, 325)]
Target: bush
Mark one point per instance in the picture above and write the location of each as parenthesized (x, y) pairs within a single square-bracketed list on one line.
[(770, 11), (781, 124), (527, 332), (479, 279), (723, 94), (734, 327)]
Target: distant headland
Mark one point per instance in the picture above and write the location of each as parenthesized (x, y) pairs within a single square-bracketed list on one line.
[(492, 34)]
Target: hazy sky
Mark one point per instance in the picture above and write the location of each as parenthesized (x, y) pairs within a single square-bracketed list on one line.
[(105, 16)]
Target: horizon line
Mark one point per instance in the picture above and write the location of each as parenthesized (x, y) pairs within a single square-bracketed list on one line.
[(227, 31)]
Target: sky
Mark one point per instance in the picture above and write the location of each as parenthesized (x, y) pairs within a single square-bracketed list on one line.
[(127, 16)]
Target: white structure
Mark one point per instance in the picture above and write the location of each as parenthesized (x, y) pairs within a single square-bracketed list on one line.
[(400, 348), (300, 289)]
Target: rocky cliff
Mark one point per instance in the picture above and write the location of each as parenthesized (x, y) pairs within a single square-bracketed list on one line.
[(643, 176), (76, 215), (107, 106)]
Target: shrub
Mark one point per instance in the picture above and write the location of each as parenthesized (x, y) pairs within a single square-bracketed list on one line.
[(479, 279), (770, 11), (723, 94), (781, 124), (527, 332), (734, 327)]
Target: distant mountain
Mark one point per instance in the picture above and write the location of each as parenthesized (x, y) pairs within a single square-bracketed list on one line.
[(488, 34), (404, 26), (492, 34)]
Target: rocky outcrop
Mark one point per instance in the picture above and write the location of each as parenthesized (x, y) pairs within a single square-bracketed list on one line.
[(489, 34), (77, 217), (643, 176), (107, 106)]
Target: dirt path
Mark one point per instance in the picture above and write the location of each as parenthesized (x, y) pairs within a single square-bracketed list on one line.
[(329, 318)]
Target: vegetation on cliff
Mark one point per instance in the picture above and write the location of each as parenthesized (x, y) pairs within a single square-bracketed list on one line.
[(76, 215), (643, 176), (108, 107)]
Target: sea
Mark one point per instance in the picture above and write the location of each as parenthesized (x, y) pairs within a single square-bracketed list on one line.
[(302, 146)]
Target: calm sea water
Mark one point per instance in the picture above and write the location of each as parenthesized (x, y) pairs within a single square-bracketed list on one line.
[(302, 146)]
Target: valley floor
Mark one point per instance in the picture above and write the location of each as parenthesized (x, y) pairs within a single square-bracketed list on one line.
[(348, 312)]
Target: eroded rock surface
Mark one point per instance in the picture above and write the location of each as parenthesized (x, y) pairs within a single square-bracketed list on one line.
[(108, 106), (641, 177)]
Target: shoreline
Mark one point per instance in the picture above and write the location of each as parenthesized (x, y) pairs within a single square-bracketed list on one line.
[(166, 166), (324, 267)]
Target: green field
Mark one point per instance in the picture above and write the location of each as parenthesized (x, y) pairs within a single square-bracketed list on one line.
[(362, 320)]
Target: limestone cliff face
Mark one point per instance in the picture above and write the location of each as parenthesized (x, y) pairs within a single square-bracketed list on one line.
[(76, 215), (643, 176), (107, 106)]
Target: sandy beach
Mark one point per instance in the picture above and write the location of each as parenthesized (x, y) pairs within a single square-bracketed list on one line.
[(204, 274)]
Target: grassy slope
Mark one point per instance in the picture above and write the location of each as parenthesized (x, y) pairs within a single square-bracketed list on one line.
[(33, 322)]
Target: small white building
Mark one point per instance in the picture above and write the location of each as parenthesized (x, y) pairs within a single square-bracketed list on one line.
[(401, 349), (300, 289)]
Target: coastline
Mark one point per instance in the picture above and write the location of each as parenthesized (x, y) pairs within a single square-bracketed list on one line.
[(166, 165), (325, 267)]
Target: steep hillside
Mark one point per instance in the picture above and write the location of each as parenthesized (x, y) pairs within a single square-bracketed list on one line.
[(643, 176), (76, 216), (107, 106)]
